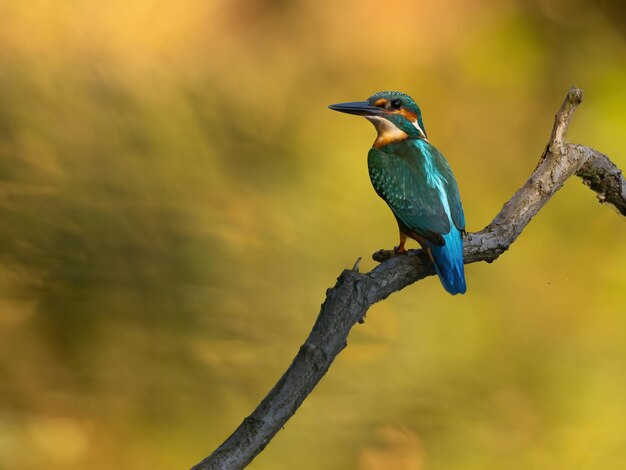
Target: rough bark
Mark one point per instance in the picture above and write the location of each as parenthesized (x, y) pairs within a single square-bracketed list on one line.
[(348, 301)]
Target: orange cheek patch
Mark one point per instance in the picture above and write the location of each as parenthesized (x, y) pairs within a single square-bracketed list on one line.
[(380, 102), (408, 114)]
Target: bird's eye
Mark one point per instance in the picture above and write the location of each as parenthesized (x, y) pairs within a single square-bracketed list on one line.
[(396, 104)]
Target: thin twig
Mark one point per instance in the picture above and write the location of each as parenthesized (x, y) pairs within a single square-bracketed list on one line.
[(348, 301)]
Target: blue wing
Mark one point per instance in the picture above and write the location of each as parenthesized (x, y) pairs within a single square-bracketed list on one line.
[(415, 180), (417, 183)]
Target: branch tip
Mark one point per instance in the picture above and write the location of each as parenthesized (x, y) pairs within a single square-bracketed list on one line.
[(575, 95), (562, 119)]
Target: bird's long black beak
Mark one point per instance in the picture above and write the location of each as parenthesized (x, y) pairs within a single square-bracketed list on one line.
[(360, 108)]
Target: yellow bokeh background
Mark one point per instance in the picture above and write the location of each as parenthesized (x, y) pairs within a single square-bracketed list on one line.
[(175, 198)]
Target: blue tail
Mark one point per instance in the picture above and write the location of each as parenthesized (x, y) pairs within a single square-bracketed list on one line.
[(449, 262)]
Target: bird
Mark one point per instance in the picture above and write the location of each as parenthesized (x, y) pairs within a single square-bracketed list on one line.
[(416, 182)]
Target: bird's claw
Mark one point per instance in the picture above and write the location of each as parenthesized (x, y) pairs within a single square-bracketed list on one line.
[(399, 250), (384, 255)]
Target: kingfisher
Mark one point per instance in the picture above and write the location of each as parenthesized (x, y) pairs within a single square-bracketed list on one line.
[(415, 181)]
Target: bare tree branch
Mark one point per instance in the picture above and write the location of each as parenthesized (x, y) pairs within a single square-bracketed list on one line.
[(603, 177), (348, 301)]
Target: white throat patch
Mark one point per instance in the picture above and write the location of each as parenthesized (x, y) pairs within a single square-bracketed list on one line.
[(388, 132)]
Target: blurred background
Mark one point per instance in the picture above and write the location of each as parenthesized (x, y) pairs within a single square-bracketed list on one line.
[(175, 198)]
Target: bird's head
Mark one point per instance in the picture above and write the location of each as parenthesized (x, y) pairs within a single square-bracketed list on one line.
[(394, 114)]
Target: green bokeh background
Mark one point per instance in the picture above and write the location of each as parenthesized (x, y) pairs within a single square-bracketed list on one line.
[(175, 198)]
